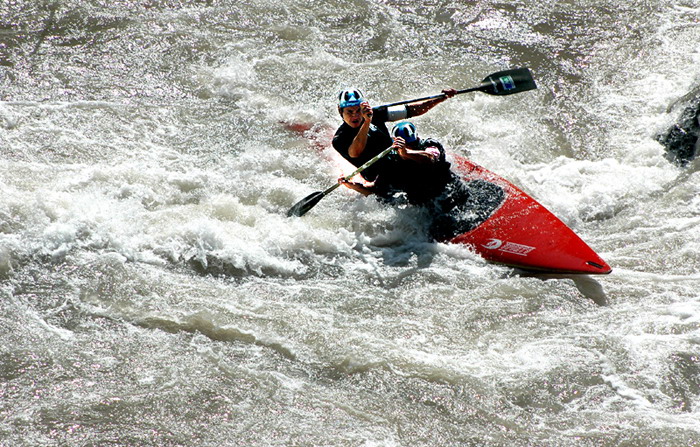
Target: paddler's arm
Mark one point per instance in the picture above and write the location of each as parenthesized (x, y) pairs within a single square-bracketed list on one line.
[(419, 108), (360, 141), (359, 187), (418, 156)]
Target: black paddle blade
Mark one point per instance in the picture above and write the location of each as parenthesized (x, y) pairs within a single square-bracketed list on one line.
[(508, 82), (305, 204)]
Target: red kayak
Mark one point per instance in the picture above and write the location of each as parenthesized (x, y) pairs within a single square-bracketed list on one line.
[(510, 227), (499, 221)]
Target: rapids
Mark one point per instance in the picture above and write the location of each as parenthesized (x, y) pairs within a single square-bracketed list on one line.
[(153, 292)]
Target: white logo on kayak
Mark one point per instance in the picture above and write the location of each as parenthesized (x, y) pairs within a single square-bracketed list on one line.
[(508, 247), (493, 244)]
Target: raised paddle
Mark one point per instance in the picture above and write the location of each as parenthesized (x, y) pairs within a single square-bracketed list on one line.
[(311, 200), (501, 83)]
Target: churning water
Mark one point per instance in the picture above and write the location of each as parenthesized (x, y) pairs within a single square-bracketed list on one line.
[(153, 292)]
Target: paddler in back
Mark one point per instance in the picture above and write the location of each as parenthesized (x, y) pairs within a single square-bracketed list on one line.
[(421, 171), (364, 134)]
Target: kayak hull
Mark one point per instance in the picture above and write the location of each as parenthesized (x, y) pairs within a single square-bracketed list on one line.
[(522, 233)]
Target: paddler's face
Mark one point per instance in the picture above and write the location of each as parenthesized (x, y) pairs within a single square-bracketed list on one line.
[(352, 116)]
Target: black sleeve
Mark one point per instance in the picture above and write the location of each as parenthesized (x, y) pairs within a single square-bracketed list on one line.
[(380, 115), (343, 139)]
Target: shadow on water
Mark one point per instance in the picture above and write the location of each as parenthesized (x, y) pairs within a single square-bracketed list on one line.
[(587, 285)]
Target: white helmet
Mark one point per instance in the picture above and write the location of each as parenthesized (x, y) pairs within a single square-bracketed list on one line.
[(349, 98)]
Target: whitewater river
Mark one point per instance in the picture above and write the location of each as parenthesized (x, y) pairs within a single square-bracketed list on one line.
[(153, 292)]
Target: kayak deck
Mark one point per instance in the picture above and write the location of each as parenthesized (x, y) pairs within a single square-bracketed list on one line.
[(518, 231)]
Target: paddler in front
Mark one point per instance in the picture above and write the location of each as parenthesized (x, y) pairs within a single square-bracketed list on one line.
[(364, 134)]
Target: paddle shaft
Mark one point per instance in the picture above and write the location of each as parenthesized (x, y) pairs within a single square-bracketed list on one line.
[(425, 98), (308, 202), (500, 83), (367, 164)]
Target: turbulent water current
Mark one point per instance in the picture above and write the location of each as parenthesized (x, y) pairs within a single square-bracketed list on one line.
[(154, 293)]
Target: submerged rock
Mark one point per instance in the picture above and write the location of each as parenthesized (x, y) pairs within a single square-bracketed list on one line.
[(682, 141)]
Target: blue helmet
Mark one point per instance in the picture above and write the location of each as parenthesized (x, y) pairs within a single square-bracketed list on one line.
[(405, 130), (349, 98)]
